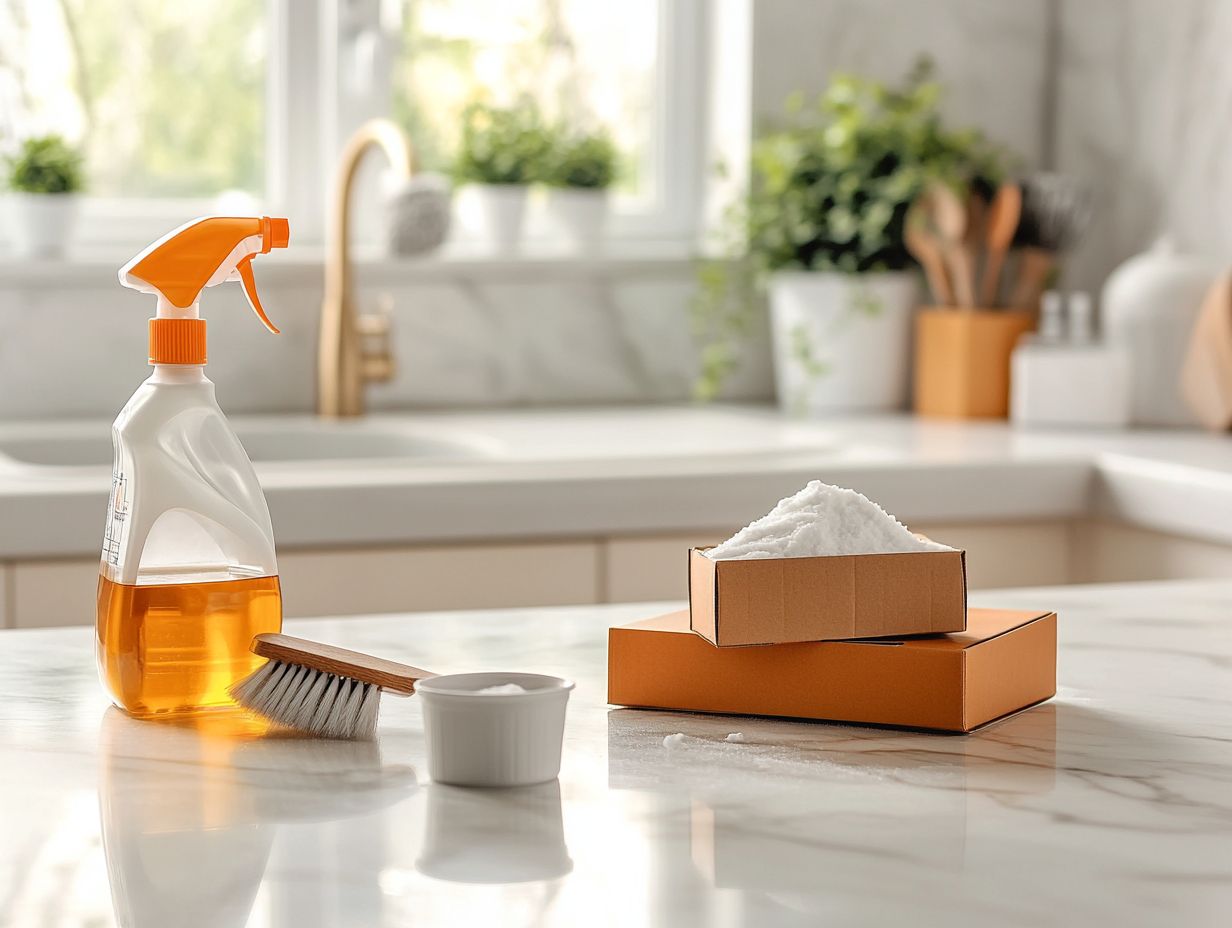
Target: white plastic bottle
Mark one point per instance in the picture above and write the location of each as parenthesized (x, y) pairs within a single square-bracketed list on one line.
[(188, 573)]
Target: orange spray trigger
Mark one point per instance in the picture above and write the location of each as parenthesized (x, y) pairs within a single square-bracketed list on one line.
[(250, 290)]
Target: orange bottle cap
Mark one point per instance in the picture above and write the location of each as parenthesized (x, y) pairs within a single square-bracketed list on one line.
[(177, 341)]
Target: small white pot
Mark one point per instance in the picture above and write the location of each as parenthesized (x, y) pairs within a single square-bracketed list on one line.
[(41, 224), (580, 215), (493, 739), (842, 342), (502, 208)]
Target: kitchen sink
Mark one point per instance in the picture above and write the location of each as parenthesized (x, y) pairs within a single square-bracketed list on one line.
[(88, 445)]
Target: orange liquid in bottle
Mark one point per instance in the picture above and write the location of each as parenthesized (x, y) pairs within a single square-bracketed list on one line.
[(172, 648)]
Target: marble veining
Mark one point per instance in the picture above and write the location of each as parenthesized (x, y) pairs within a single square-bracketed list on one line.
[(1110, 804), (1143, 96)]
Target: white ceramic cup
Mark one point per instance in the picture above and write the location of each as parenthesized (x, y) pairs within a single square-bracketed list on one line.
[(494, 739)]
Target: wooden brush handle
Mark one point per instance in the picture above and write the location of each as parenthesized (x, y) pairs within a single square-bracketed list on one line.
[(388, 675)]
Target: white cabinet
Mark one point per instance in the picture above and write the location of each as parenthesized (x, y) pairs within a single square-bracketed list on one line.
[(48, 593), (1105, 552), (358, 581), (6, 593), (350, 581), (1009, 554), (651, 567)]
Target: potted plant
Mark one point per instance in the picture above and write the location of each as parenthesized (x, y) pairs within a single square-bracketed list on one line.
[(580, 172), (44, 177), (821, 229), (502, 152)]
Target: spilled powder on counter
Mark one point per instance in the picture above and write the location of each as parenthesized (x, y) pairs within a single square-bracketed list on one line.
[(502, 689), (736, 737), (672, 741), (822, 521)]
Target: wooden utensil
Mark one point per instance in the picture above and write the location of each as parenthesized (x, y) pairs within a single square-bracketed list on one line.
[(925, 247), (1003, 217), (1206, 377), (949, 217)]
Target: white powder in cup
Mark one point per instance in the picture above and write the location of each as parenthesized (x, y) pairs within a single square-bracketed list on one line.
[(502, 689), (822, 521)]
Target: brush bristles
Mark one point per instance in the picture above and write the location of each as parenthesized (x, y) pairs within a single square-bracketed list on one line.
[(310, 700)]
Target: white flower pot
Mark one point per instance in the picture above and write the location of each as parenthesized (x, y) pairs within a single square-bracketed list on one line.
[(842, 342), (502, 208), (580, 215), (41, 224)]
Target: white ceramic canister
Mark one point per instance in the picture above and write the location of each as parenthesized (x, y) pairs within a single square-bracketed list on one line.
[(1149, 306)]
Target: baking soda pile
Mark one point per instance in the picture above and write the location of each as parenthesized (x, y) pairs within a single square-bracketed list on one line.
[(822, 521), (503, 689)]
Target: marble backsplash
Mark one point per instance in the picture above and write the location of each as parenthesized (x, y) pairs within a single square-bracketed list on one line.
[(483, 341), (1144, 101), (990, 56)]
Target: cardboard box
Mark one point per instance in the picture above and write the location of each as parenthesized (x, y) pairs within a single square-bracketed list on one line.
[(787, 599), (1004, 661), (962, 360)]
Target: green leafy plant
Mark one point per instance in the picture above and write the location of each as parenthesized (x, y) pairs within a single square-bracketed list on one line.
[(583, 160), (829, 192), (502, 145), (46, 164)]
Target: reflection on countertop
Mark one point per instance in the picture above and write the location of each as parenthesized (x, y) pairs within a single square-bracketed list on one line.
[(1109, 804)]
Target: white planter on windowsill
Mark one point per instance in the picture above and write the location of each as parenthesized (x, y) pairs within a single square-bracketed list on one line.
[(842, 342), (502, 211), (41, 224), (580, 216)]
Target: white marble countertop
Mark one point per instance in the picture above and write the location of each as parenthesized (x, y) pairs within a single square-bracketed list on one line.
[(603, 471), (1109, 805)]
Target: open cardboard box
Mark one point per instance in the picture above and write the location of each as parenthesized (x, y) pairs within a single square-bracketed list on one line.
[(789, 599), (1004, 661)]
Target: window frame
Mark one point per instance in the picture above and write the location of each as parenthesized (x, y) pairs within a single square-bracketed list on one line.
[(309, 115)]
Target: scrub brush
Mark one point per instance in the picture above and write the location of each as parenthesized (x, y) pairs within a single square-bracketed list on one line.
[(320, 689)]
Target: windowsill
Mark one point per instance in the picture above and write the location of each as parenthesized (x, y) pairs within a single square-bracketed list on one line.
[(89, 267)]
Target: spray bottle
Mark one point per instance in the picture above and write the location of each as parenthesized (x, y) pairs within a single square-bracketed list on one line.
[(188, 574)]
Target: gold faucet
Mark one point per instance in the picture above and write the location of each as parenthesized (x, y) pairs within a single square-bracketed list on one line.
[(354, 349)]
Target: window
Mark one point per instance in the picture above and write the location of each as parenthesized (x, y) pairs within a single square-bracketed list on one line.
[(177, 104), (587, 64), (166, 99)]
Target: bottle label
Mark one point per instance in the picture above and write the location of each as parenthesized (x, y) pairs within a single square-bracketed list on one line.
[(117, 514)]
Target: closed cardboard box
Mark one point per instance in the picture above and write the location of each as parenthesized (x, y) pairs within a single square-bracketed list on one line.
[(788, 599), (1004, 661)]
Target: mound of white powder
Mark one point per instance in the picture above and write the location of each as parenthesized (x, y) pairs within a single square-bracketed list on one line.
[(822, 521), (503, 689)]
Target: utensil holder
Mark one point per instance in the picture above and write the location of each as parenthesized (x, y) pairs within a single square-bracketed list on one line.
[(962, 360)]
